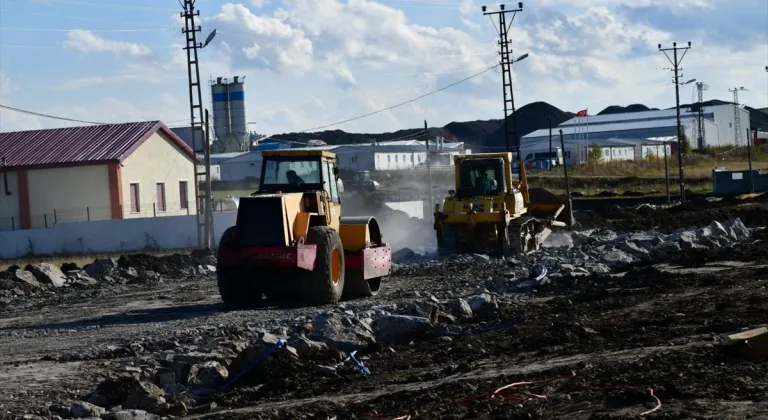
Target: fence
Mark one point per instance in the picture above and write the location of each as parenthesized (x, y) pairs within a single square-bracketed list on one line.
[(95, 213), (110, 236)]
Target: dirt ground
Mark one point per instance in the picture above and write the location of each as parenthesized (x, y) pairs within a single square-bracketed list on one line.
[(641, 342)]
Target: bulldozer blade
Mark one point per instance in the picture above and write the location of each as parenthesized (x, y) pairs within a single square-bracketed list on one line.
[(542, 236)]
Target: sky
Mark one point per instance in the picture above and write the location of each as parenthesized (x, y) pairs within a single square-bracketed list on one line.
[(314, 63)]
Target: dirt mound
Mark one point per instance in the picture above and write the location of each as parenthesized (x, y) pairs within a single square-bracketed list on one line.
[(164, 265), (699, 212), (596, 346)]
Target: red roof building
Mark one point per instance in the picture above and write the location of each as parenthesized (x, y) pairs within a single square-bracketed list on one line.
[(110, 171)]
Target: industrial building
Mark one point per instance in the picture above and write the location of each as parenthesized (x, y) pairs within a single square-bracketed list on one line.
[(379, 156), (110, 171), (613, 150), (722, 125)]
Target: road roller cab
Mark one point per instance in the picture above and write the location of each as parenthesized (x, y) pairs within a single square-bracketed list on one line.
[(291, 241)]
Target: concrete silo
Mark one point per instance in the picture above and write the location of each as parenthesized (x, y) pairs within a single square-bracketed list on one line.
[(229, 121)]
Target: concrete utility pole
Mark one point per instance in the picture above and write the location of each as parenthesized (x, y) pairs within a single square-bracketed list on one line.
[(210, 237), (429, 169), (506, 72), (567, 181), (676, 68), (550, 144), (666, 174), (736, 115), (701, 127), (749, 157), (197, 123)]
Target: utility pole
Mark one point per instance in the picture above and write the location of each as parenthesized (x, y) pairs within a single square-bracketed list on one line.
[(701, 130), (666, 174), (676, 68), (209, 232), (736, 115), (506, 72), (550, 144), (197, 123), (749, 157), (567, 182), (429, 168)]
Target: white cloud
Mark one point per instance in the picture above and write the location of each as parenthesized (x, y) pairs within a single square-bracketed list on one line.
[(87, 41), (271, 42), (315, 62)]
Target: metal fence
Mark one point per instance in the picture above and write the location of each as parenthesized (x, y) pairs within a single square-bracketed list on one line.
[(93, 213)]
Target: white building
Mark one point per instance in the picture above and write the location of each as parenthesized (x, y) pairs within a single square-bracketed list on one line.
[(719, 127), (611, 150), (380, 156)]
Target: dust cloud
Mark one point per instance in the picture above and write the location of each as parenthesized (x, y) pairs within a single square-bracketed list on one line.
[(397, 228)]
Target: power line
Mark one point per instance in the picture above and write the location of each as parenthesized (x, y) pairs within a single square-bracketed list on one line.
[(10, 28), (119, 6), (39, 114), (401, 103), (55, 117)]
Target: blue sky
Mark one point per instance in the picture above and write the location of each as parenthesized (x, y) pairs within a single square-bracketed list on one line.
[(311, 63)]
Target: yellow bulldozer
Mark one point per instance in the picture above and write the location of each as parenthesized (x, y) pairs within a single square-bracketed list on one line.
[(290, 241), (490, 211)]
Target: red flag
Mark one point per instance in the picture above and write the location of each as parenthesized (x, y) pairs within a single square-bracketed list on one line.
[(582, 113)]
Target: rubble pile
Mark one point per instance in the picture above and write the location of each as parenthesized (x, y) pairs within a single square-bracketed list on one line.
[(188, 371), (41, 278), (591, 252)]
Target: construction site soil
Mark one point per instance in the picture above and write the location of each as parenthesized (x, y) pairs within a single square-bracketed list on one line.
[(645, 340)]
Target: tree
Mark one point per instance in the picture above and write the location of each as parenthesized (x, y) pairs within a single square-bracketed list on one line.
[(595, 153), (685, 142)]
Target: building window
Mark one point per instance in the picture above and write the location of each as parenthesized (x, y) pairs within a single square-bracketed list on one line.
[(135, 204), (397, 158), (161, 196), (183, 197), (389, 158)]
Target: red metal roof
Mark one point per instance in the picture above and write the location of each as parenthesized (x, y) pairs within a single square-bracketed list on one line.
[(80, 145)]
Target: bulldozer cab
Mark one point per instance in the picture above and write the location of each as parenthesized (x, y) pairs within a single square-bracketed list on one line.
[(480, 177)]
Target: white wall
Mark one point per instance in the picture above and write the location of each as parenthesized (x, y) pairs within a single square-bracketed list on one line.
[(656, 150), (107, 236), (72, 194), (392, 161), (355, 158), (9, 204), (411, 208), (158, 160), (725, 120)]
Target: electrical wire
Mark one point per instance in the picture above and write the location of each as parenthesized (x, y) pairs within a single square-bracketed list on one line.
[(55, 117), (401, 103), (38, 114), (12, 28), (118, 6)]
